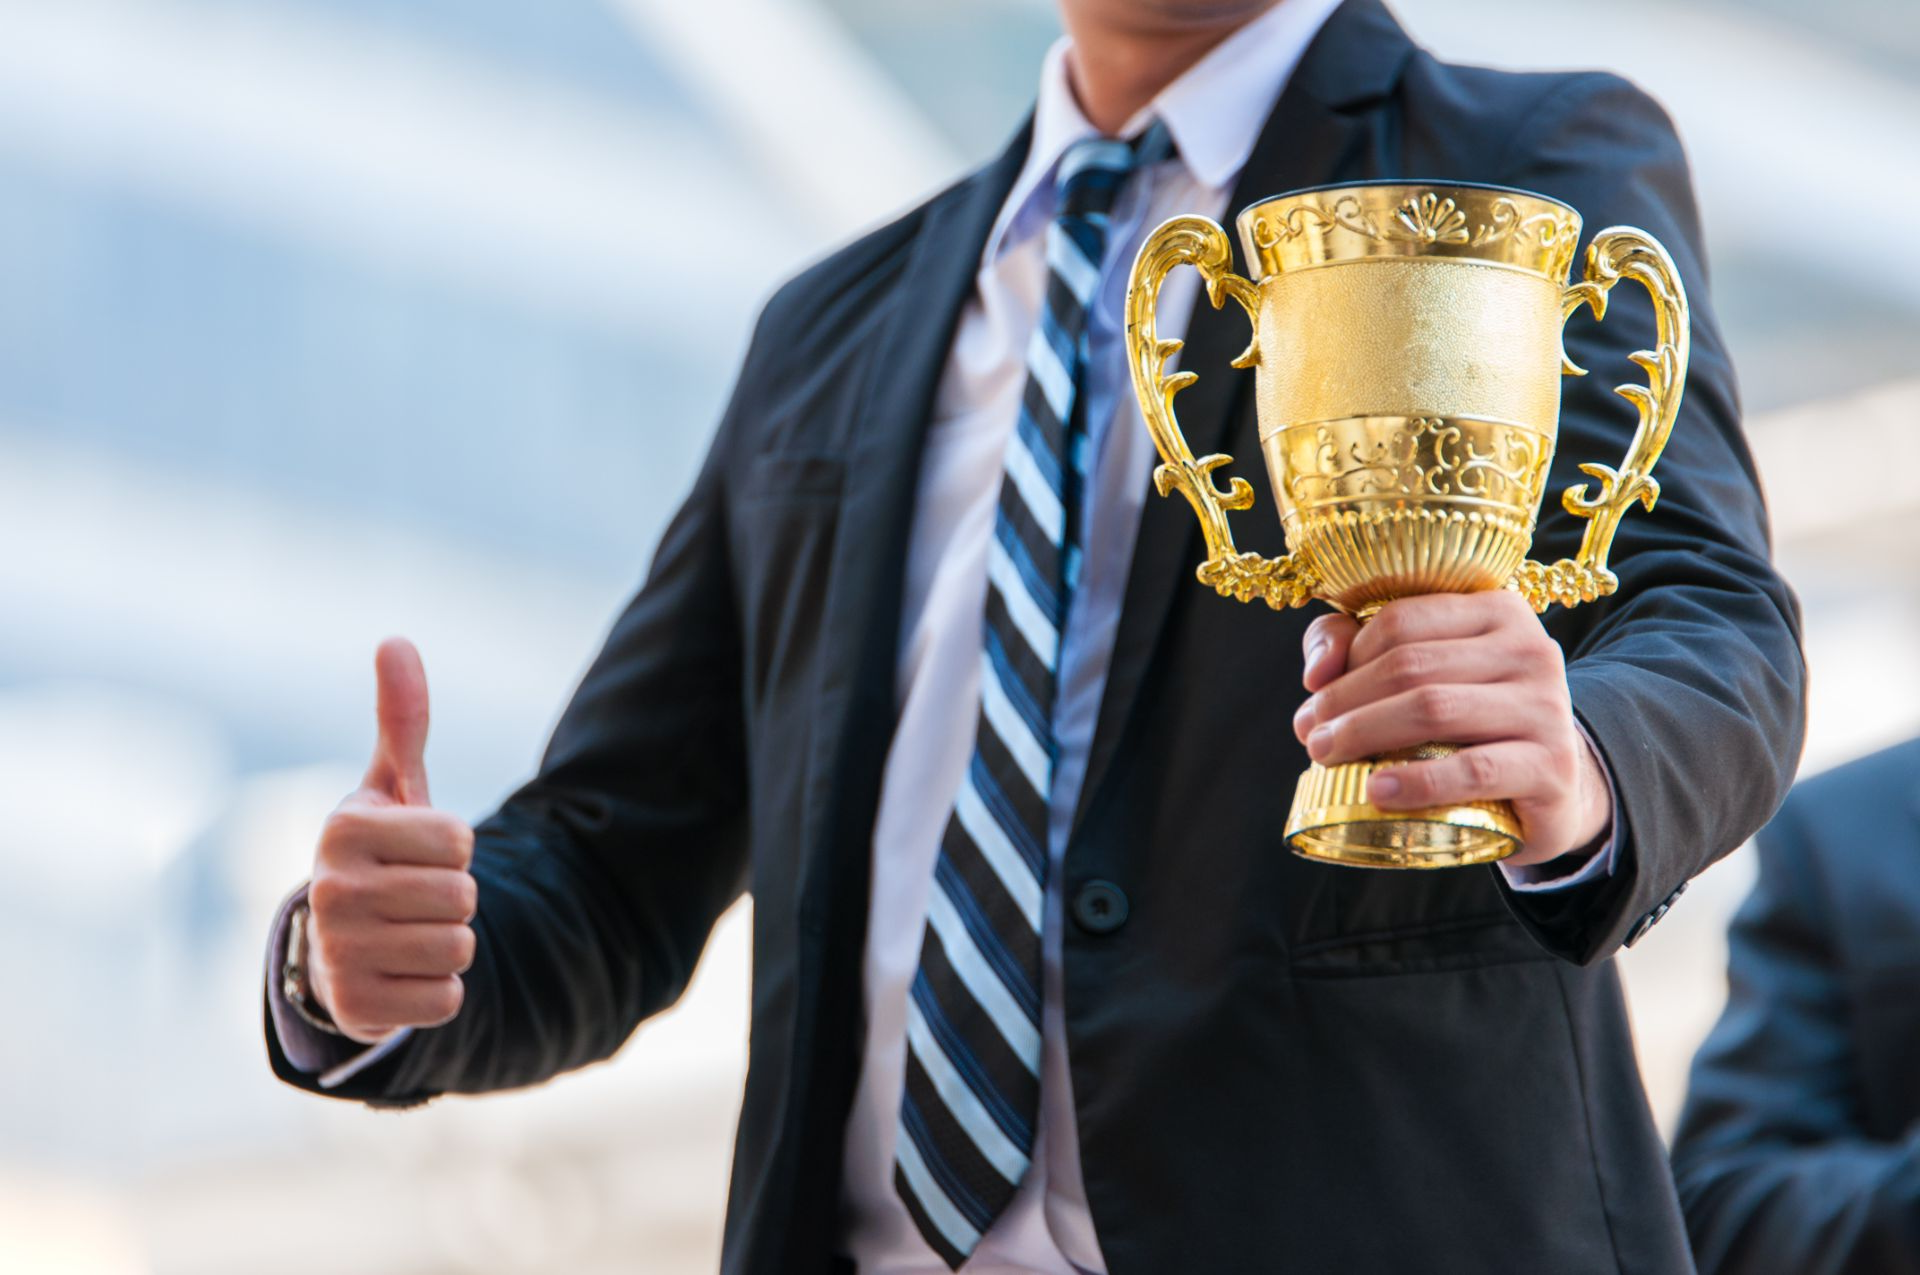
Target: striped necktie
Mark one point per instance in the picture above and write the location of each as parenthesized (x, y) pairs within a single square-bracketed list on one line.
[(972, 1097)]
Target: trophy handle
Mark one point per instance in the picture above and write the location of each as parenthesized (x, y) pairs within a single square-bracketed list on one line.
[(1619, 252), (1201, 243)]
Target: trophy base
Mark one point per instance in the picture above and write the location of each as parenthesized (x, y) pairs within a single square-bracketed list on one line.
[(1333, 821)]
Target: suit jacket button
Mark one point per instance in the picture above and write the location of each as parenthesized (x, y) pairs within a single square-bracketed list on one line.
[(1100, 907)]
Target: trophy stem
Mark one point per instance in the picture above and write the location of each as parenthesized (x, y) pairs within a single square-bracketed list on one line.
[(1333, 821)]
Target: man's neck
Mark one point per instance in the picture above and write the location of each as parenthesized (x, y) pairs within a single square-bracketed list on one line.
[(1124, 52)]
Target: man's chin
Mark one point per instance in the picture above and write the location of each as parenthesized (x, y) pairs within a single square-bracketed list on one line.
[(1178, 15)]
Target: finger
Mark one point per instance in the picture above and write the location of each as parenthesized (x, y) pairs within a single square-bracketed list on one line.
[(1449, 714), (382, 1003), (1504, 771), (1437, 617), (1463, 662), (399, 766), (358, 832), (419, 950), (1326, 643), (394, 894)]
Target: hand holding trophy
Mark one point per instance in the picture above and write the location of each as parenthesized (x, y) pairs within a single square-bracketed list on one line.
[(1407, 349)]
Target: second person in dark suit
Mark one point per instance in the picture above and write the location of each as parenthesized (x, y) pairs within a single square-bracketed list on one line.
[(1798, 1151)]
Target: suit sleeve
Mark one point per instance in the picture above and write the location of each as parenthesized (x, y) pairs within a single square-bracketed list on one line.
[(601, 878), (1774, 1170), (1689, 679)]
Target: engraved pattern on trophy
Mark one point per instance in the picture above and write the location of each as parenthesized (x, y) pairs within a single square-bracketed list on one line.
[(1430, 219), (1348, 482), (1429, 455), (1392, 215), (1549, 230), (1408, 407)]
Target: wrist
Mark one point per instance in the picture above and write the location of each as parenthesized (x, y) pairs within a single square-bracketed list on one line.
[(297, 984), (1596, 798)]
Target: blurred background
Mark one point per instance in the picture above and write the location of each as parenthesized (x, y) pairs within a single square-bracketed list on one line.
[(324, 319)]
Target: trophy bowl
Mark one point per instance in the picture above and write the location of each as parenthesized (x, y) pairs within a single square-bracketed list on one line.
[(1407, 352)]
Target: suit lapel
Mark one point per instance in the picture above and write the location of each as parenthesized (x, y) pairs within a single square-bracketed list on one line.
[(855, 703), (1308, 140)]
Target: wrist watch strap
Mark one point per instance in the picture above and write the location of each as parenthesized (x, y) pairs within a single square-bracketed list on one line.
[(294, 983)]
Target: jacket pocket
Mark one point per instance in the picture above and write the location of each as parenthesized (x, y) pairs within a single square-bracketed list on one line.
[(1396, 922), (1464, 943)]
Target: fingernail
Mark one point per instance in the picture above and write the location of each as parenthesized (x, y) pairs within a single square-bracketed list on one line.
[(1303, 717), (1319, 740), (1314, 652), (1385, 786)]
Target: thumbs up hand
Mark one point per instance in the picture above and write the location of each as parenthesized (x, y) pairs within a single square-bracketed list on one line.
[(391, 900)]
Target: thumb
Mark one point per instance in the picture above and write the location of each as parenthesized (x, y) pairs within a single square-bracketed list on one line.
[(399, 766)]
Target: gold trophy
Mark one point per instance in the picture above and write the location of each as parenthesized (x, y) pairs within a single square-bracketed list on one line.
[(1408, 358)]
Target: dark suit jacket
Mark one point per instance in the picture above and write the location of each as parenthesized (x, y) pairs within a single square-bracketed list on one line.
[(1278, 1065), (1799, 1149)]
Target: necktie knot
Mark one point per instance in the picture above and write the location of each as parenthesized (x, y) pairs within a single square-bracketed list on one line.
[(1094, 169)]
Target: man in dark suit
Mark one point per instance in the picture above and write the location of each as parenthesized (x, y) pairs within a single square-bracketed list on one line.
[(1089, 1014), (1799, 1148)]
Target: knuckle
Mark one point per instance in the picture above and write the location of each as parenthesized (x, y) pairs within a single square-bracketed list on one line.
[(1556, 712), (1332, 732), (450, 832), (1435, 705), (1416, 783), (334, 846), (353, 1002), (336, 950), (1334, 628), (1548, 697), (1409, 666), (323, 893), (1514, 607), (443, 1005), (1563, 763), (349, 826), (466, 895), (462, 841), (328, 847), (1482, 771), (1539, 653), (1388, 627), (331, 894), (463, 947)]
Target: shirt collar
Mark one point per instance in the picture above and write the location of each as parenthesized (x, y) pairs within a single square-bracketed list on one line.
[(1214, 111)]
